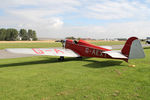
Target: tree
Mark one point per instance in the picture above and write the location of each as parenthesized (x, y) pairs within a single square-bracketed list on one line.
[(2, 34), (71, 38), (14, 35), (34, 37), (30, 34), (23, 34), (11, 34), (78, 38)]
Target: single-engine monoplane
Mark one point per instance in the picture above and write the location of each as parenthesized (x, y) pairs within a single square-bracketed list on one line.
[(73, 48)]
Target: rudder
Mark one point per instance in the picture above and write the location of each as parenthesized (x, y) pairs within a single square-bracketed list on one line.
[(133, 49)]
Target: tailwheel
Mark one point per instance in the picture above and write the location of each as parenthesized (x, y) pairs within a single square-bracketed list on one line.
[(79, 57), (61, 58)]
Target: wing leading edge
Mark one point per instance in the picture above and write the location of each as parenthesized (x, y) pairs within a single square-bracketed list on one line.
[(44, 51), (107, 47)]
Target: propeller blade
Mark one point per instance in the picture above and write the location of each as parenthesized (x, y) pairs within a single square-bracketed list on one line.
[(61, 41), (57, 41)]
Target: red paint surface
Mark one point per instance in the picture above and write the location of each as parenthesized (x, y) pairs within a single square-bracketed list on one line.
[(86, 49), (38, 51), (126, 49), (58, 51)]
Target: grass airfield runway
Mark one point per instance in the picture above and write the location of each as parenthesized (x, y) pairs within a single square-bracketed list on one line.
[(44, 78)]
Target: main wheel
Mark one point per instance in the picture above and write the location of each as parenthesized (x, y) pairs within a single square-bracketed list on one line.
[(61, 58), (79, 57)]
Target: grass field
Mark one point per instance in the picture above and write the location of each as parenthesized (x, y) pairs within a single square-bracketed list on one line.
[(44, 78)]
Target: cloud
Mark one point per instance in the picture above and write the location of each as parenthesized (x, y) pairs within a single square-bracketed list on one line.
[(109, 10), (48, 17), (128, 29)]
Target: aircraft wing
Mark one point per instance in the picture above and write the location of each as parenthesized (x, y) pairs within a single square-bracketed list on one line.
[(115, 54), (44, 51), (107, 47)]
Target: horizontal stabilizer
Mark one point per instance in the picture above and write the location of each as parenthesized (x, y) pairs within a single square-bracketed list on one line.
[(115, 54)]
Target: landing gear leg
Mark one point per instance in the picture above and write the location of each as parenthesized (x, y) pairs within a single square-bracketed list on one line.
[(79, 57), (61, 58)]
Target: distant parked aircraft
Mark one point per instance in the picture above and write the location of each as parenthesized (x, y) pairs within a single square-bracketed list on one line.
[(148, 40), (72, 48)]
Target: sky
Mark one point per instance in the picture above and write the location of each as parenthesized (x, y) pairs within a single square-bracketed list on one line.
[(79, 18)]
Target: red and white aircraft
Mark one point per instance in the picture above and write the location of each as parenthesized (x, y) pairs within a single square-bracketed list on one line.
[(71, 48)]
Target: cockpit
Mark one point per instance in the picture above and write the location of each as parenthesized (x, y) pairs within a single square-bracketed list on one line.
[(75, 41)]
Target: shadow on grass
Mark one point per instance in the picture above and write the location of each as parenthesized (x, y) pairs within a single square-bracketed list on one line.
[(102, 64), (94, 64), (43, 61), (146, 47)]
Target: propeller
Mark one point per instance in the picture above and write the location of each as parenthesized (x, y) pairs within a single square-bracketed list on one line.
[(62, 42)]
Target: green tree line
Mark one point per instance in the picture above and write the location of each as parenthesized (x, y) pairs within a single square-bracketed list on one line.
[(12, 34)]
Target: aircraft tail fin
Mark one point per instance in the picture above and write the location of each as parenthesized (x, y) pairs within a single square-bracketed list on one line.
[(133, 49)]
